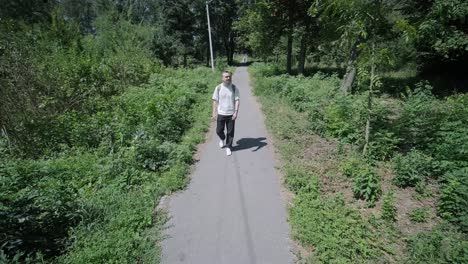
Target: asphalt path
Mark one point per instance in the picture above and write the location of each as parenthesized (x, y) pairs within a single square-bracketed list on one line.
[(232, 210)]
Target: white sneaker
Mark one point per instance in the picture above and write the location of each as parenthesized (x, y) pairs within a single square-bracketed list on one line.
[(228, 152), (221, 143)]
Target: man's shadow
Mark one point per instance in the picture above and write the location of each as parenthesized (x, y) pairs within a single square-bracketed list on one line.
[(247, 143)]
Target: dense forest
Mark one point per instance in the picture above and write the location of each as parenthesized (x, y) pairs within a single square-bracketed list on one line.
[(103, 102)]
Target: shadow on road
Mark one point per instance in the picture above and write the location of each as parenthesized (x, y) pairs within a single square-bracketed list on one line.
[(246, 143), (244, 64)]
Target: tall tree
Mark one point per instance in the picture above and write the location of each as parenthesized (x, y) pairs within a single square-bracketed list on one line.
[(442, 43), (261, 27), (290, 7), (177, 22), (356, 21), (225, 13), (29, 11), (308, 30)]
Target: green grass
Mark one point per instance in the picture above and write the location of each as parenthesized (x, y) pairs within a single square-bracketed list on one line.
[(326, 219), (335, 230)]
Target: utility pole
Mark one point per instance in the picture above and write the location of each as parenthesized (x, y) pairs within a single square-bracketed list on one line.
[(209, 34)]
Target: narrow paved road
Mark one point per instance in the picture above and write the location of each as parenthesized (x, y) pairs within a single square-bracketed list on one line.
[(231, 211)]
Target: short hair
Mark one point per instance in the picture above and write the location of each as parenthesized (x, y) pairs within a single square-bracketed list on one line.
[(230, 73)]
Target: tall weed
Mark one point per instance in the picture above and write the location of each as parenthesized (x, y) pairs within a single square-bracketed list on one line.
[(453, 201), (366, 183), (419, 119), (412, 169)]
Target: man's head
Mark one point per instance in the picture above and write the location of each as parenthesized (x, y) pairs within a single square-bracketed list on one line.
[(226, 77)]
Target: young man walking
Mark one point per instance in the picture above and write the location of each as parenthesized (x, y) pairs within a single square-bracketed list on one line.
[(225, 110)]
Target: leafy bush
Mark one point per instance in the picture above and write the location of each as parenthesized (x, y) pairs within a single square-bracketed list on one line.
[(366, 183), (451, 140), (265, 70), (419, 215), (383, 145), (389, 210), (441, 245), (420, 118), (345, 117), (94, 202), (453, 201), (168, 115), (430, 131), (156, 156), (351, 166), (298, 180), (412, 169), (40, 202), (63, 71)]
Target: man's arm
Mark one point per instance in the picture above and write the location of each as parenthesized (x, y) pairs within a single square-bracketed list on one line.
[(215, 109), (236, 110)]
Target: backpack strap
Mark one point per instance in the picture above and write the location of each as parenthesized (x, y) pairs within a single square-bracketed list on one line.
[(218, 88)]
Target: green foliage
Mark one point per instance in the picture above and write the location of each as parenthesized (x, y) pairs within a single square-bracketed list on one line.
[(383, 145), (440, 245), (37, 107), (441, 32), (265, 70), (260, 29), (450, 146), (453, 201), (420, 118), (389, 210), (442, 136), (94, 201), (412, 169), (118, 238), (298, 180), (330, 112), (351, 166), (419, 215), (157, 156), (40, 202), (345, 117), (366, 183), (221, 64), (313, 95), (337, 232)]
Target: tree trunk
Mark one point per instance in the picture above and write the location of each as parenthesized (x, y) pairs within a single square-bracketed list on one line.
[(290, 31), (289, 54), (231, 57), (232, 46), (348, 79), (302, 53), (350, 75)]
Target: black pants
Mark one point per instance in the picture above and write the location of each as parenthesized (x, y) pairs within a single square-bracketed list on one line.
[(225, 121)]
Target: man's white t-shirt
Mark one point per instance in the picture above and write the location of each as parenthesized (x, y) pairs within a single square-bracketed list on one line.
[(226, 99)]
